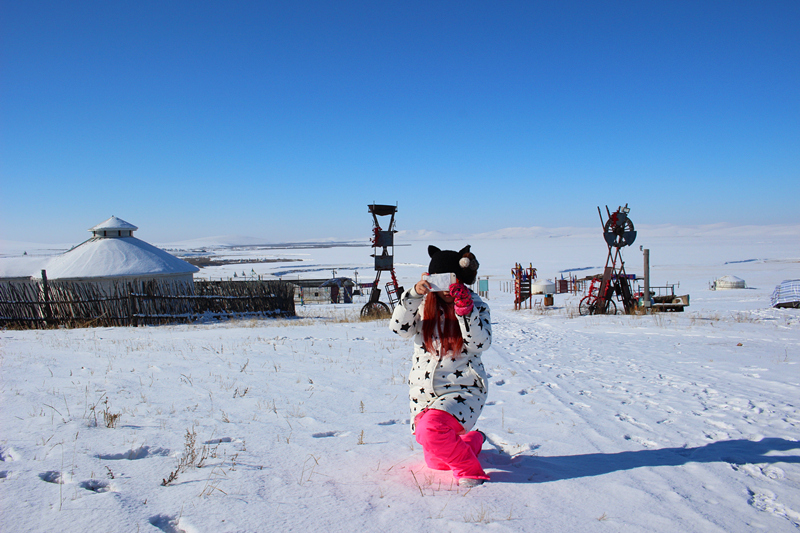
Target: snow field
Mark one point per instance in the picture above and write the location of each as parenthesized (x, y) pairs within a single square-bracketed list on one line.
[(674, 422), (659, 422), (663, 387)]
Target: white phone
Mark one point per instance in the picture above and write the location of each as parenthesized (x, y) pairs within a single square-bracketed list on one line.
[(440, 282)]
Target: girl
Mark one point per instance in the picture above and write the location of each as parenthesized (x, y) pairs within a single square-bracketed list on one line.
[(447, 381)]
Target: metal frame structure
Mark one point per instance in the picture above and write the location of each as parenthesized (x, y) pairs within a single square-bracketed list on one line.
[(618, 232), (382, 239)]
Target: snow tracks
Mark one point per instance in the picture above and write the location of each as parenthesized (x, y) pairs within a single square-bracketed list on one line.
[(632, 405)]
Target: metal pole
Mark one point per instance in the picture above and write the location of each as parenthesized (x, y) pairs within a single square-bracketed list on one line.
[(646, 253)]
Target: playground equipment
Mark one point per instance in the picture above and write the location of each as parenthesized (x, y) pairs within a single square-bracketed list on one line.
[(618, 232), (384, 262), (522, 285)]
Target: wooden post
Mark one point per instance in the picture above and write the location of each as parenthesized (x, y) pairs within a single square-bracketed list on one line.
[(48, 313), (131, 308)]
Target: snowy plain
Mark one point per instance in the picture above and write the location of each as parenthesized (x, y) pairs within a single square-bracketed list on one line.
[(667, 422)]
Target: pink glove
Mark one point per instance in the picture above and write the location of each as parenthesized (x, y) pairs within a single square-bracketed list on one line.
[(462, 298)]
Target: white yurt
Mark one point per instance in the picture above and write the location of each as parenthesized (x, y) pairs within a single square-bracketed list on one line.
[(543, 286), (729, 282), (113, 256)]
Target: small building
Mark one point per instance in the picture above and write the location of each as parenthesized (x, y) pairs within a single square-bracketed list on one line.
[(543, 286), (728, 282), (317, 291), (341, 289)]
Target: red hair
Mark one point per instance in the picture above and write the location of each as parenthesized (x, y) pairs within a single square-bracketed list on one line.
[(447, 326)]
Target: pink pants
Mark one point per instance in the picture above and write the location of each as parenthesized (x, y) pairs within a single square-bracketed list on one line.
[(445, 447)]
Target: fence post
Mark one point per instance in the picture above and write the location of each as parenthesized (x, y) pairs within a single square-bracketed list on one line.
[(131, 304), (48, 313)]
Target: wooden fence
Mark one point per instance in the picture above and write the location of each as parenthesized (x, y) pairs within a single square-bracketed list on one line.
[(81, 304)]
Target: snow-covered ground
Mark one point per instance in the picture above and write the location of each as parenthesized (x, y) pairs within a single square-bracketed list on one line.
[(671, 422)]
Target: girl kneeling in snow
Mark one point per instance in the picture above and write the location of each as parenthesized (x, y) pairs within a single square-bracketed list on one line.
[(447, 381)]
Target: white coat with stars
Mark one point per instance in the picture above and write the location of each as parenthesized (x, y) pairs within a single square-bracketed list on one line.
[(455, 384)]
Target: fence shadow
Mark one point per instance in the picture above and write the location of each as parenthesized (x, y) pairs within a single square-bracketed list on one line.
[(543, 469)]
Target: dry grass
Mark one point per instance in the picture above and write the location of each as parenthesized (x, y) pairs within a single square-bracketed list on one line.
[(190, 458), (110, 419), (744, 318)]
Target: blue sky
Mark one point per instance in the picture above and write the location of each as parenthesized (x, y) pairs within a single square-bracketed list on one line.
[(283, 120)]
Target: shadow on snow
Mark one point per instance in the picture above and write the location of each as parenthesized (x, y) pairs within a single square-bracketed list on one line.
[(538, 469)]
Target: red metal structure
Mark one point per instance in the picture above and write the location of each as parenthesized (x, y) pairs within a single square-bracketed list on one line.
[(618, 232), (523, 277), (384, 262)]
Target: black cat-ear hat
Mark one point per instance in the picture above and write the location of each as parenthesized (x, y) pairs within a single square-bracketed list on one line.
[(463, 263)]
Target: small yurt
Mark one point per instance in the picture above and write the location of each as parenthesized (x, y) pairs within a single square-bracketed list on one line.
[(113, 256), (787, 294), (729, 282), (543, 286)]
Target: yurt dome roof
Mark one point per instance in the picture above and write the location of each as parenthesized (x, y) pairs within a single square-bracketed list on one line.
[(111, 258), (730, 279), (113, 223)]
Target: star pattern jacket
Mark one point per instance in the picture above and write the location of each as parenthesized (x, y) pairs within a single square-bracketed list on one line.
[(455, 384)]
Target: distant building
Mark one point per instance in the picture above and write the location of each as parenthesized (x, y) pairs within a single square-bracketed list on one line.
[(543, 286), (728, 282)]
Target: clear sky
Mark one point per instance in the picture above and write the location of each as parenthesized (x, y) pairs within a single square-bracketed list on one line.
[(283, 120)]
